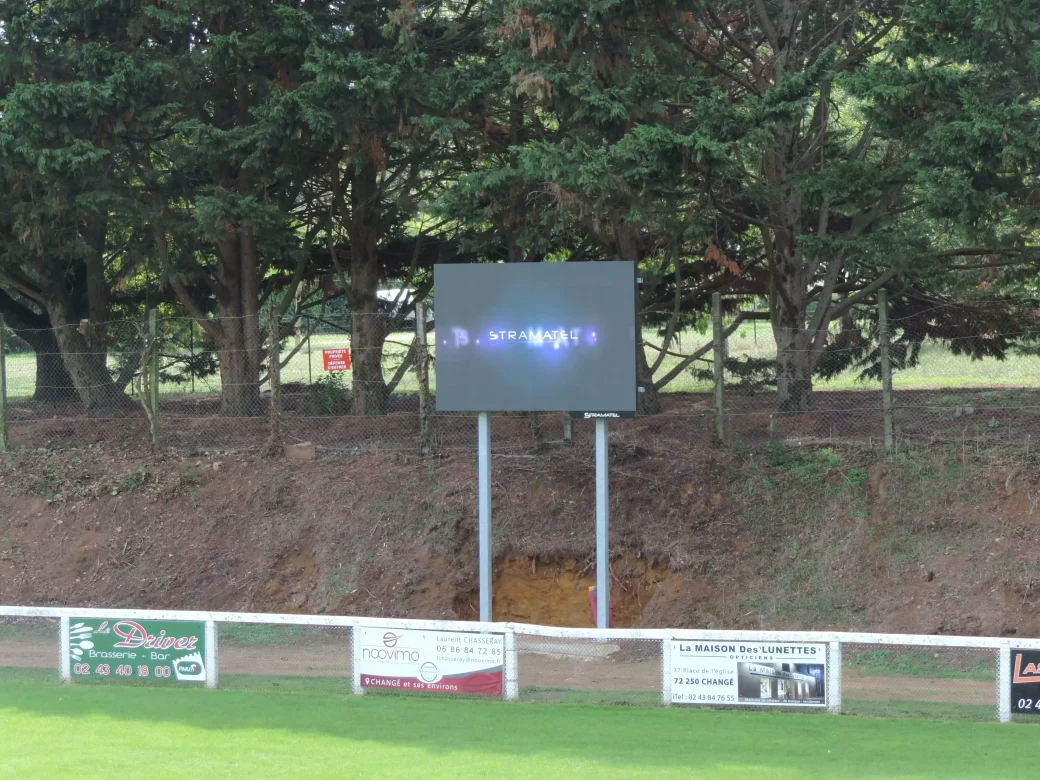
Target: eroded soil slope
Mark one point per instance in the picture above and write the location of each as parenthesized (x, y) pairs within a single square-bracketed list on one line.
[(932, 540)]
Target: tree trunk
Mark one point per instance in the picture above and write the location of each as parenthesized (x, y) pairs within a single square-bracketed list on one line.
[(239, 343), (794, 369), (85, 355), (367, 334), (53, 382), (648, 401), (239, 371), (627, 247), (367, 328), (794, 354)]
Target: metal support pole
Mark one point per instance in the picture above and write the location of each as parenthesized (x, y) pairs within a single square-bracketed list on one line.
[(511, 690), (602, 527), (666, 671), (484, 522), (64, 650), (886, 370), (355, 663), (718, 409), (833, 689), (1004, 685), (153, 375), (3, 386), (212, 671)]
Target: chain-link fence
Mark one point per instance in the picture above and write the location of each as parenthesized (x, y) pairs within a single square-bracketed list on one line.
[(345, 383), (880, 383), (872, 675)]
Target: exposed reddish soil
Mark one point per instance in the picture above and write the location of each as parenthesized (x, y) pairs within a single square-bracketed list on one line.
[(939, 539)]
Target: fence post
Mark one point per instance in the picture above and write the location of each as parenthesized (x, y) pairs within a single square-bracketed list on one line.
[(666, 671), (422, 370), (568, 429), (275, 444), (512, 667), (718, 410), (212, 670), (153, 375), (3, 385), (191, 349), (834, 678), (355, 662), (1004, 685), (65, 659), (886, 369)]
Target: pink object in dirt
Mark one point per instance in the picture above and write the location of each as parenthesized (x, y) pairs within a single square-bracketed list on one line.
[(594, 602)]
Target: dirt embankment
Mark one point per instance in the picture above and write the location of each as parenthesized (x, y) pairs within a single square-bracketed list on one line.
[(931, 541)]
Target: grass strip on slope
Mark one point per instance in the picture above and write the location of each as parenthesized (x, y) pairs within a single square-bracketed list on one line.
[(88, 731)]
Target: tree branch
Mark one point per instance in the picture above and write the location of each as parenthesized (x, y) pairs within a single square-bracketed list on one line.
[(690, 359)]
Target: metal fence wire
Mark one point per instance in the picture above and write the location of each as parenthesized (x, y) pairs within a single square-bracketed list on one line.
[(870, 675), (28, 650), (177, 384)]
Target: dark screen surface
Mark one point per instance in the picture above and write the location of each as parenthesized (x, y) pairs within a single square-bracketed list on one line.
[(533, 337)]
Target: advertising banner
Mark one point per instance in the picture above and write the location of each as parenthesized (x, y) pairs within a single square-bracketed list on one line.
[(749, 673), (1025, 681), (336, 359), (438, 661), (163, 650)]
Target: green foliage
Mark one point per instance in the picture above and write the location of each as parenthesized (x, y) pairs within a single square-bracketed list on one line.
[(746, 375), (329, 395), (211, 158)]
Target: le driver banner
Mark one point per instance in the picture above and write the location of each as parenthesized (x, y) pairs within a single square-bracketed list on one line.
[(437, 661), (118, 650)]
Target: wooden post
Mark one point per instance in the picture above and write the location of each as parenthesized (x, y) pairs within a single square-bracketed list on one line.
[(568, 429), (191, 341), (718, 410), (886, 370), (275, 445), (3, 385), (153, 375), (422, 370)]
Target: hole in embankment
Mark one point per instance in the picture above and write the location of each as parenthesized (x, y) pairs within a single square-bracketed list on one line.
[(555, 591)]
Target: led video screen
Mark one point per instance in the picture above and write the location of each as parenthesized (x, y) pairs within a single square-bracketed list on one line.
[(533, 337)]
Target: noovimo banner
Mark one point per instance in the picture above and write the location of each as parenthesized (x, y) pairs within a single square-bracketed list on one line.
[(430, 661)]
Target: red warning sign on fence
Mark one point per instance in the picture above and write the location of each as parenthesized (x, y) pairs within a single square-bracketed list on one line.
[(336, 359)]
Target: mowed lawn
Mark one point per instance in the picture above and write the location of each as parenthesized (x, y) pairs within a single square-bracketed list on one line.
[(99, 731)]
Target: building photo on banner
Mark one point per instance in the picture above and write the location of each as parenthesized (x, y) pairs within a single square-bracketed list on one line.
[(749, 674), (431, 661)]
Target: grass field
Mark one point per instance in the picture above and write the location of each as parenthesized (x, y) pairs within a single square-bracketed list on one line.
[(937, 369), (91, 731)]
